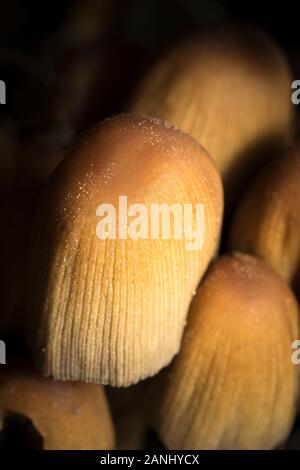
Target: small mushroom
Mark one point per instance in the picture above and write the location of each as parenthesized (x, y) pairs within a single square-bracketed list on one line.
[(37, 413), (233, 384), (229, 87), (100, 308), (267, 222)]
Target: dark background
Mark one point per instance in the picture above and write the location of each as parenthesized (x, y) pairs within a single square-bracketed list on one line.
[(39, 39)]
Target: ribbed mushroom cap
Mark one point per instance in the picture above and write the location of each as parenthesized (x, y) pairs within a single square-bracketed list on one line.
[(229, 87), (63, 415), (113, 311), (233, 384), (267, 222)]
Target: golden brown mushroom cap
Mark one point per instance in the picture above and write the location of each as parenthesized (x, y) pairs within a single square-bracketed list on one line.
[(267, 222), (230, 88), (113, 311), (65, 415), (233, 384)]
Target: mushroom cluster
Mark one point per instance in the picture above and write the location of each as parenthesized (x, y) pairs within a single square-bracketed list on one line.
[(119, 262)]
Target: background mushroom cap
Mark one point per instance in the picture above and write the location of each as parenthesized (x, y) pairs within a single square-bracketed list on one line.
[(66, 415), (267, 222), (113, 311), (233, 384), (229, 87)]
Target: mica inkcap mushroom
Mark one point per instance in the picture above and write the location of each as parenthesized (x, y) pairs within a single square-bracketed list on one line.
[(38, 413), (267, 221), (113, 311), (229, 87), (233, 384)]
